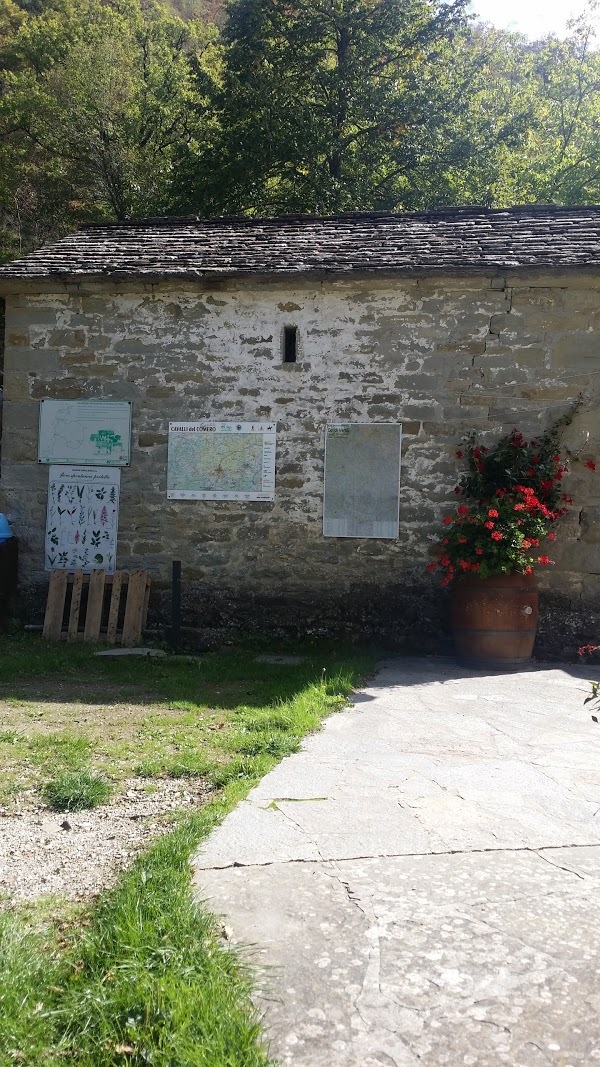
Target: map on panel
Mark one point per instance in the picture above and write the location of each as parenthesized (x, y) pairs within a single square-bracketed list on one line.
[(221, 461), (362, 480), (85, 432)]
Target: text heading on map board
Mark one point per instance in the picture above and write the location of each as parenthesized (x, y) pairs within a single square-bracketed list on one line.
[(221, 461), (85, 432), (362, 480)]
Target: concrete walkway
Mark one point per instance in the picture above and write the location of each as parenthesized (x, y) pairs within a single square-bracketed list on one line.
[(421, 884)]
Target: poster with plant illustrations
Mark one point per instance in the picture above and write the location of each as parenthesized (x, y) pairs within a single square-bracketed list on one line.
[(82, 518)]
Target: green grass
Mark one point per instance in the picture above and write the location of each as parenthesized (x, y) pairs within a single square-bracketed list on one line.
[(141, 977), (155, 718), (76, 791)]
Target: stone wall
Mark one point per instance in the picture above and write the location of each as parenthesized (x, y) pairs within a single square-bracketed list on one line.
[(444, 355)]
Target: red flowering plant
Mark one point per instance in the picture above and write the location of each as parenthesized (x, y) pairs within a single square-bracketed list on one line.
[(512, 496)]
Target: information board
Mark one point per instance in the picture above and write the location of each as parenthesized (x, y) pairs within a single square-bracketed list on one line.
[(85, 432), (221, 461), (362, 480), (82, 518)]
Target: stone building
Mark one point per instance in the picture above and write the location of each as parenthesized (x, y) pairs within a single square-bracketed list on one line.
[(447, 321)]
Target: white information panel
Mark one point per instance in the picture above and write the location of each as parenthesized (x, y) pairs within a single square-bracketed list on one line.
[(82, 518), (221, 461), (86, 432), (362, 480)]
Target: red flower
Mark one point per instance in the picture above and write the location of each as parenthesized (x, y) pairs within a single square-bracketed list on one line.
[(493, 514), (535, 459), (558, 476), (457, 489), (475, 566), (462, 540), (489, 525), (526, 543), (535, 541), (463, 509), (528, 570), (544, 559), (568, 499), (448, 520), (465, 564), (530, 472), (431, 566), (497, 536), (476, 453), (500, 492), (552, 536), (556, 458), (546, 485), (459, 454), (480, 467), (590, 463), (479, 552), (519, 507)]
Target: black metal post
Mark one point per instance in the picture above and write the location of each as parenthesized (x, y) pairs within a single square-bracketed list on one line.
[(176, 606)]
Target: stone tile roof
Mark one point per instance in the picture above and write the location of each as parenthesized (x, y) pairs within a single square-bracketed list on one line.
[(460, 240)]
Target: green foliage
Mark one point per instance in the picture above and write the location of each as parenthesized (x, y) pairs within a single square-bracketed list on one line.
[(114, 109), (142, 977), (512, 494), (97, 100), (76, 791)]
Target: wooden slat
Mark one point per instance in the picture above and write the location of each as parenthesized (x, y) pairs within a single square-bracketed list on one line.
[(55, 606), (93, 615), (146, 603), (134, 608), (75, 606), (113, 614)]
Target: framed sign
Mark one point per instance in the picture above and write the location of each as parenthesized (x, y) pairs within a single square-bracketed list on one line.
[(362, 480), (221, 461), (85, 432), (82, 519)]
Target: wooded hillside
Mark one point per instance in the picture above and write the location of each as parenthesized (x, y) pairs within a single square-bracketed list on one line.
[(124, 108)]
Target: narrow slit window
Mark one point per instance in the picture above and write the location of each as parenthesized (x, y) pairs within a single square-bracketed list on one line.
[(290, 344)]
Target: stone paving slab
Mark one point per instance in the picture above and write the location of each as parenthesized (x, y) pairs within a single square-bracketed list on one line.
[(420, 884)]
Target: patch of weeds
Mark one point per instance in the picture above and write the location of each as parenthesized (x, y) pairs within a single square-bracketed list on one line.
[(62, 749), (76, 791), (192, 764), (252, 767), (11, 737), (255, 742)]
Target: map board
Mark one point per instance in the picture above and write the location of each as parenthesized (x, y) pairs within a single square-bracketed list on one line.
[(221, 461), (85, 432), (82, 518), (362, 480)]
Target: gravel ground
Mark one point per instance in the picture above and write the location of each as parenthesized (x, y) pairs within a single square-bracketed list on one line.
[(78, 854)]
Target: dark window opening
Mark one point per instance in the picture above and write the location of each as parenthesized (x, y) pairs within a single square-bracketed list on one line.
[(290, 344)]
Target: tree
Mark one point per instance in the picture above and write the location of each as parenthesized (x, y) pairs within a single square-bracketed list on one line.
[(328, 105), (97, 100)]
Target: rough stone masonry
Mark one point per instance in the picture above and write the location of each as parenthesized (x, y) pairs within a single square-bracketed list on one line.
[(442, 353)]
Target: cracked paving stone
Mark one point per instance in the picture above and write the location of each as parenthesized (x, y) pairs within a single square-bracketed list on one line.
[(433, 899)]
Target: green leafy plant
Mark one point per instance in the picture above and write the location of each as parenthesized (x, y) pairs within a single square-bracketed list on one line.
[(512, 496), (76, 790)]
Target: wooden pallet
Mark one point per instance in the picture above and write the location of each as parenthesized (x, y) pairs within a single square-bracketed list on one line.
[(97, 606)]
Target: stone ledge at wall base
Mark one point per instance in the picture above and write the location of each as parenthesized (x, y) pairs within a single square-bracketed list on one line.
[(413, 617), (494, 620)]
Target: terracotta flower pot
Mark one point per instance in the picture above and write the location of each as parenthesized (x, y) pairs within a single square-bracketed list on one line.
[(495, 620)]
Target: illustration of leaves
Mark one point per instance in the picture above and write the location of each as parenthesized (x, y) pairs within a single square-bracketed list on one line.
[(98, 557)]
